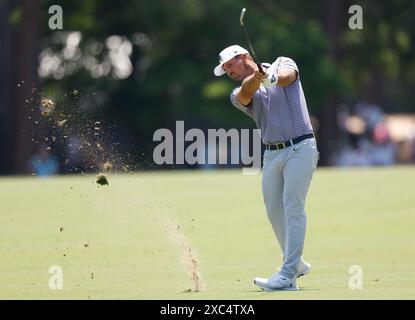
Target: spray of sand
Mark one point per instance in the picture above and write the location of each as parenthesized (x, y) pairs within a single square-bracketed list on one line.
[(189, 256), (88, 138)]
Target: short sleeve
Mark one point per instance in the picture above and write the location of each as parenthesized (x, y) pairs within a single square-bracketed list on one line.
[(284, 62), (235, 101)]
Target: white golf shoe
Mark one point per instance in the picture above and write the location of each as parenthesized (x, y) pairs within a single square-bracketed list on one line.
[(277, 282), (303, 268)]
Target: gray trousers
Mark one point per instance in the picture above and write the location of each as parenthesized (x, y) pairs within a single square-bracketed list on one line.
[(286, 177)]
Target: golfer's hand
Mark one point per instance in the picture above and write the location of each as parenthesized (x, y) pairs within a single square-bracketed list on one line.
[(258, 76), (253, 82)]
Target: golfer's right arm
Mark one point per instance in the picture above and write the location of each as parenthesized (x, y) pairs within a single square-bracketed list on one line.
[(249, 86)]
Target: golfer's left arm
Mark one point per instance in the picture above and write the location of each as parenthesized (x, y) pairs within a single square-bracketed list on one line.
[(286, 76)]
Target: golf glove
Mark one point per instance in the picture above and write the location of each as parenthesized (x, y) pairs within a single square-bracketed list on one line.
[(270, 81)]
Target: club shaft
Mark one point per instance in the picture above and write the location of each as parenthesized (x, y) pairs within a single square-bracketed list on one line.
[(258, 63)]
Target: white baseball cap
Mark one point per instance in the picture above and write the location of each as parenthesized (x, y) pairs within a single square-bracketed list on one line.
[(225, 55)]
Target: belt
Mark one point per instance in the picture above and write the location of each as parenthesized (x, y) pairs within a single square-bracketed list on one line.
[(288, 143)]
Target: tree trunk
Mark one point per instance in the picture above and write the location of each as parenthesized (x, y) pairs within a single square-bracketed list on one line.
[(6, 85), (25, 98), (333, 12)]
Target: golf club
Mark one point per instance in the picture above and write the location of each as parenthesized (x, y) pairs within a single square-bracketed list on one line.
[(241, 20)]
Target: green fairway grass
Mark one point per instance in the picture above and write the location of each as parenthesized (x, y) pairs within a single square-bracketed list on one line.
[(112, 241)]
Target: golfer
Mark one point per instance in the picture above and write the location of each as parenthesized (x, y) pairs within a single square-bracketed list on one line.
[(276, 102)]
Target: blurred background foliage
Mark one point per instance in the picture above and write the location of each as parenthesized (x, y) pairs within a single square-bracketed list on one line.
[(145, 64)]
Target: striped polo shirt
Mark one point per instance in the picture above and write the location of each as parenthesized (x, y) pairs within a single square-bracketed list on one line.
[(279, 112)]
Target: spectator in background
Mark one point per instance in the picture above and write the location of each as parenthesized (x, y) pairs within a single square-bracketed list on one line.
[(354, 152), (406, 152), (413, 148), (44, 163), (366, 140), (372, 114), (381, 150)]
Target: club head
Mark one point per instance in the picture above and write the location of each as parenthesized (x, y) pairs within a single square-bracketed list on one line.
[(241, 18)]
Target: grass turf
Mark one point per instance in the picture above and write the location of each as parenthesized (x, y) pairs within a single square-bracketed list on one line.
[(112, 241)]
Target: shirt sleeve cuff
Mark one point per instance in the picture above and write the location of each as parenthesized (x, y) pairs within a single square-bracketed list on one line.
[(289, 63), (235, 101)]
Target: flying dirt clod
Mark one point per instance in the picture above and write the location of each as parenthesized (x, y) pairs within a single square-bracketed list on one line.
[(102, 180)]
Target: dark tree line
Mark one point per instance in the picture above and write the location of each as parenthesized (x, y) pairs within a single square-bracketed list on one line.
[(172, 47)]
